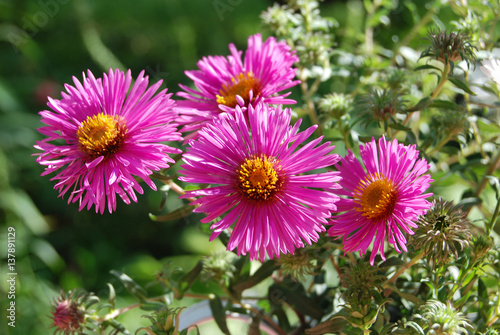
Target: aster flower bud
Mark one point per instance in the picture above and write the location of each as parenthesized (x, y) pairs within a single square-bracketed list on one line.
[(217, 267), (299, 265), (164, 322), (335, 104), (442, 231), (480, 247), (449, 48), (361, 282), (380, 106), (439, 318), (449, 124), (69, 314)]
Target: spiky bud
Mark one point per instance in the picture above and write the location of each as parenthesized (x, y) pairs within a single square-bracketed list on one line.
[(441, 232)]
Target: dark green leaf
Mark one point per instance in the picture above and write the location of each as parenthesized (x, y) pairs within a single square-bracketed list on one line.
[(152, 306), (426, 67), (445, 104), (422, 104), (189, 278), (174, 215), (481, 289), (131, 286), (392, 261), (219, 314), (295, 295), (262, 273), (399, 126), (334, 326), (461, 85)]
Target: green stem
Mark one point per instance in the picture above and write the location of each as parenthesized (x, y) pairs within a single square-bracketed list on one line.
[(440, 145), (405, 267), (442, 81), (489, 228)]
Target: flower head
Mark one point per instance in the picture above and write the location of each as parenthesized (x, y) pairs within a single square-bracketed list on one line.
[(441, 231), (383, 200), (257, 180), (450, 47), (68, 316), (439, 318), (225, 82), (107, 133), (380, 106)]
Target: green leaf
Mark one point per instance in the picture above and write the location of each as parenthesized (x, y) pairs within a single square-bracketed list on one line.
[(174, 215), (262, 273), (295, 295), (219, 314), (482, 290), (399, 126), (334, 325), (422, 104), (392, 261), (426, 67), (112, 295), (189, 278), (135, 289), (461, 85), (152, 306), (445, 104)]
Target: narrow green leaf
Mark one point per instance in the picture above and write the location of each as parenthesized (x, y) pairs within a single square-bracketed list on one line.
[(461, 85), (392, 261), (422, 104), (135, 289), (399, 126), (112, 295), (174, 215), (426, 67), (262, 273), (445, 104), (189, 278), (295, 295), (219, 314), (416, 327), (333, 325), (481, 289)]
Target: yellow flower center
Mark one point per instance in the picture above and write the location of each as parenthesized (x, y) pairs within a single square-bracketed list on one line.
[(377, 197), (258, 178), (239, 85), (101, 135)]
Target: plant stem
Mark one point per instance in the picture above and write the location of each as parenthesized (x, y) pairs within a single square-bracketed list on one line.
[(493, 220), (403, 269), (442, 81)]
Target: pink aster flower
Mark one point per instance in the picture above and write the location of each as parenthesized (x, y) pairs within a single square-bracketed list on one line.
[(385, 200), (225, 82), (107, 133), (257, 180)]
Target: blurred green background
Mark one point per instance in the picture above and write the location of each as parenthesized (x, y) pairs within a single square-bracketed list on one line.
[(43, 43)]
